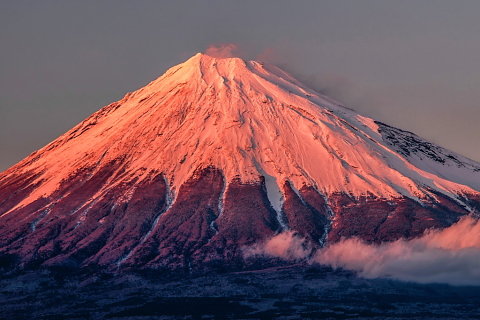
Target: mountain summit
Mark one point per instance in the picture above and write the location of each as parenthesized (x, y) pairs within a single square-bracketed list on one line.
[(217, 155)]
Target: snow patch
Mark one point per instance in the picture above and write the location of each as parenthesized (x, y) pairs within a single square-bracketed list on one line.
[(274, 194), (221, 200), (34, 224)]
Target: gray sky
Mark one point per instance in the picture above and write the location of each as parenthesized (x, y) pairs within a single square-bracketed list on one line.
[(411, 64)]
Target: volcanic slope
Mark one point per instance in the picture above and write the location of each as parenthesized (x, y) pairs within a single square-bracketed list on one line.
[(217, 155)]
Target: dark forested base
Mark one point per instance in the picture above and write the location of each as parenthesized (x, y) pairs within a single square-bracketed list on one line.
[(289, 292)]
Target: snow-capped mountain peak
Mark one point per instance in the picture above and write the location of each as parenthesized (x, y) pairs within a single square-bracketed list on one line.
[(241, 124)]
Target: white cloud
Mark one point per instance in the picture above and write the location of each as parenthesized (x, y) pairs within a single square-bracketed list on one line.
[(451, 255)]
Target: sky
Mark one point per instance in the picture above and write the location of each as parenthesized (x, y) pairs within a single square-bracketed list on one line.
[(410, 64)]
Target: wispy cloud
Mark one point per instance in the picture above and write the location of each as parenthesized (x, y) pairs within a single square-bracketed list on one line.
[(225, 50)]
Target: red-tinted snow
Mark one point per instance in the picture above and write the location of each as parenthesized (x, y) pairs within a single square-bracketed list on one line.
[(247, 119)]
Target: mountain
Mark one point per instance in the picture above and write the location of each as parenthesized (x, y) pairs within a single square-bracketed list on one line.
[(217, 155)]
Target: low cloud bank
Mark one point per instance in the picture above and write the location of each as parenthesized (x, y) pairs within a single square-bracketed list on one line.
[(287, 245), (451, 255)]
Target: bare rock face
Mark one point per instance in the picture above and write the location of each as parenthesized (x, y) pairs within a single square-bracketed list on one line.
[(378, 220), (186, 226), (247, 218), (306, 213), (217, 156)]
